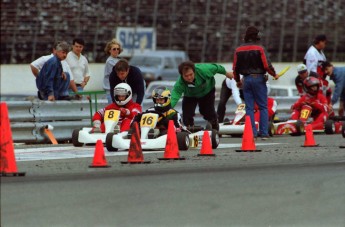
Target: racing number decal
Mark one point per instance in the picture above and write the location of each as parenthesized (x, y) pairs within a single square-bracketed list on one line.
[(149, 120), (305, 113), (112, 115), (241, 107)]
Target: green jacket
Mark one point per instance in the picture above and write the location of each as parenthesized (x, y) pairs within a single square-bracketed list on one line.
[(204, 82)]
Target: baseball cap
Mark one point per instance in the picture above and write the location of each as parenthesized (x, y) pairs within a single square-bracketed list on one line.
[(301, 68)]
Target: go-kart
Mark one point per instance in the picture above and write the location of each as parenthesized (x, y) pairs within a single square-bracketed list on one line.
[(335, 125), (155, 139), (88, 136), (235, 127)]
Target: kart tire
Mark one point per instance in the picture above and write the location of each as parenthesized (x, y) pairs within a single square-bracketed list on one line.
[(215, 139), (109, 142), (299, 128), (343, 129), (183, 141), (329, 127), (75, 137)]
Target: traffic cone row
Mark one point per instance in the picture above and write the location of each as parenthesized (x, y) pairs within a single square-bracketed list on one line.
[(309, 137), (248, 143), (172, 151)]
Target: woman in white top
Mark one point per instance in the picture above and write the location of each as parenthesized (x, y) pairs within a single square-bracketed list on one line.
[(113, 48)]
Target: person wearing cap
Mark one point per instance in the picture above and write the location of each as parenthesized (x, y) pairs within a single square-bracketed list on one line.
[(303, 73), (51, 83), (337, 74), (315, 56), (251, 61)]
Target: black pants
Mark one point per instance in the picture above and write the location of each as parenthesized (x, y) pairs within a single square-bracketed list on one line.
[(206, 108), (225, 94)]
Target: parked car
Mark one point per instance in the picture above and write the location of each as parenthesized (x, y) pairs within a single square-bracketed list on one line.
[(154, 84), (283, 91), (159, 65)]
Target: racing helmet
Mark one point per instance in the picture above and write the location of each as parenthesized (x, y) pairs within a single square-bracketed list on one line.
[(122, 89), (308, 83), (161, 93)]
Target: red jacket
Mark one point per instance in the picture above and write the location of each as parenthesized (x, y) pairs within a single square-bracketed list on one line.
[(318, 102)]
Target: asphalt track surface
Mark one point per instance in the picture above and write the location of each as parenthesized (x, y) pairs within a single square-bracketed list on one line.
[(283, 185)]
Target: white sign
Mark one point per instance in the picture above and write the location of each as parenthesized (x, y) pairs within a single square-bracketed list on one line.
[(136, 39)]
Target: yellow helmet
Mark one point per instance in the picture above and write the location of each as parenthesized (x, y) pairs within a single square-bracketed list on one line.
[(162, 93)]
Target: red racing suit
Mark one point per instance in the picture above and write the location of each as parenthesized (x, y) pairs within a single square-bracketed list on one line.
[(319, 106), (125, 120), (271, 107)]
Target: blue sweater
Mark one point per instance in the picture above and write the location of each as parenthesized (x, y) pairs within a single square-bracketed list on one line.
[(338, 78)]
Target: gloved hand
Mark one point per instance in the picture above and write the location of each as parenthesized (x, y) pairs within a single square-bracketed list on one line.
[(124, 112), (96, 126)]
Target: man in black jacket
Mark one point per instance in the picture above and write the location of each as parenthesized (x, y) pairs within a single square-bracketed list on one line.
[(252, 62), (124, 73)]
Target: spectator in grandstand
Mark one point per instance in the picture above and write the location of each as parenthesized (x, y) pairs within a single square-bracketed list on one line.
[(315, 56), (124, 73), (113, 48), (229, 88), (337, 74), (78, 64), (37, 65), (51, 83), (197, 85), (252, 62)]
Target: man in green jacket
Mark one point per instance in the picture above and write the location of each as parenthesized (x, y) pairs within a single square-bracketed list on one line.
[(197, 85)]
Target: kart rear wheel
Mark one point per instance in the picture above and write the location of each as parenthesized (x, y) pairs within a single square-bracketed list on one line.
[(299, 128), (75, 137), (343, 129), (183, 141), (109, 142), (215, 139), (329, 127)]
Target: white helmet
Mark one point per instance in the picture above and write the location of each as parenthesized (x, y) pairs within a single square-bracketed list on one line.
[(122, 89)]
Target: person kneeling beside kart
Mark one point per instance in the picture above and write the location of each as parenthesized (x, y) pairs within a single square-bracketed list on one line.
[(313, 104), (124, 103), (161, 97)]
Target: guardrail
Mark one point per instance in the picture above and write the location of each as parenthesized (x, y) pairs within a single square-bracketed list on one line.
[(29, 117)]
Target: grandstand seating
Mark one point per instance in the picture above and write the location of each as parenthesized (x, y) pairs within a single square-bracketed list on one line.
[(209, 30)]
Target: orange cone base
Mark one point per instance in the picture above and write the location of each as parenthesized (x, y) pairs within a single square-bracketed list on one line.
[(182, 158), (206, 154), (17, 174), (248, 150), (139, 162), (316, 145), (106, 166)]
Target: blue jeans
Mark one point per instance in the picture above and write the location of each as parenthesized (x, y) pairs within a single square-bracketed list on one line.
[(255, 91)]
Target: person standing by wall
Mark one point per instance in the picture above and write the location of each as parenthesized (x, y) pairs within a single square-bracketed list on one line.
[(78, 64), (125, 73), (314, 57), (113, 48), (251, 61), (197, 85)]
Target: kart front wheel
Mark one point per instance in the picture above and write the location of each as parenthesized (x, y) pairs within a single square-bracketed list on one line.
[(299, 128), (329, 127), (109, 142), (75, 137), (183, 141)]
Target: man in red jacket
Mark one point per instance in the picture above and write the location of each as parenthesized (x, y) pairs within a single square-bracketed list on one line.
[(313, 98), (123, 103)]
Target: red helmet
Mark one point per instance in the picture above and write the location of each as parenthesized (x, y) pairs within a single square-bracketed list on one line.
[(308, 83)]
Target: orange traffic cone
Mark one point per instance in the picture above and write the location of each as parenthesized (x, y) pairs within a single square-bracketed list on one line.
[(248, 143), (309, 137), (8, 166), (135, 153), (206, 147), (171, 148), (99, 160)]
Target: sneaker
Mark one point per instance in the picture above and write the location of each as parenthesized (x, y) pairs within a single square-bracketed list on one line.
[(151, 134), (264, 138)]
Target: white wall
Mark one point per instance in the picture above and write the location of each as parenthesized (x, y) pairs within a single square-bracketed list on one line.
[(17, 79)]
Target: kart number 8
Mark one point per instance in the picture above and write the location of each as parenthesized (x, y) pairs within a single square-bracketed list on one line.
[(112, 115)]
